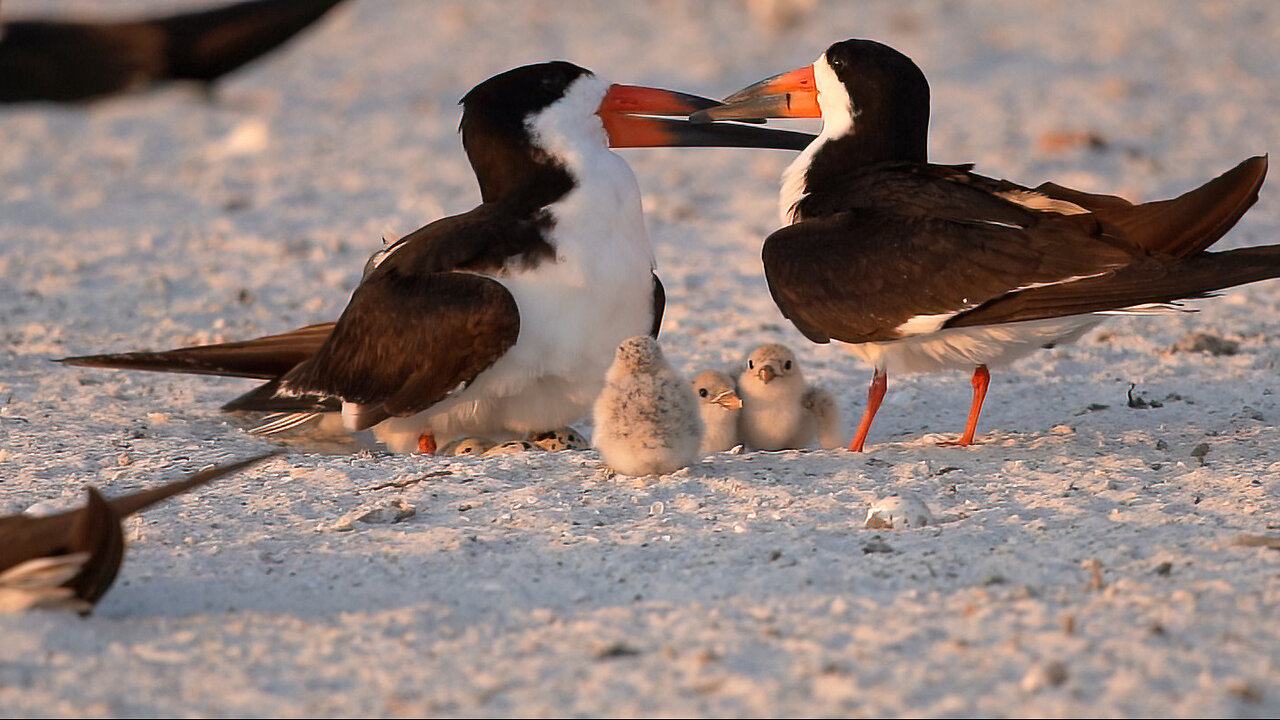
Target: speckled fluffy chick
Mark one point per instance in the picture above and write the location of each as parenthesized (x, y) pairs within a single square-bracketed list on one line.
[(646, 418)]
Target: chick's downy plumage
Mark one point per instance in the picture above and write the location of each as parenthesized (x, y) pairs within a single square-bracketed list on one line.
[(719, 406), (779, 409), (646, 418)]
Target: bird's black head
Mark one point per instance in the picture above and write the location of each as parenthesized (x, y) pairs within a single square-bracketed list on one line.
[(509, 119), (885, 100), (873, 101), (496, 135), (509, 99), (869, 69)]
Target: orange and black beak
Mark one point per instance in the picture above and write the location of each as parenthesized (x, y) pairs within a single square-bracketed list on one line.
[(634, 117), (792, 94)]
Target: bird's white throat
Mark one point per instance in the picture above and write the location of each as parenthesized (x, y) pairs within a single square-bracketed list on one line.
[(838, 115)]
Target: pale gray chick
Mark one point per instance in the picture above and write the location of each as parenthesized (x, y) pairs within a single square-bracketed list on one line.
[(719, 405), (646, 418), (780, 410)]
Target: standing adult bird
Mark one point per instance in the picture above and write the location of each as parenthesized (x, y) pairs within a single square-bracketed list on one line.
[(501, 320), (926, 267), (48, 60)]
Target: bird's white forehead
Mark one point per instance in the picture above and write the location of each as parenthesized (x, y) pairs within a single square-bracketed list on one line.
[(572, 118), (833, 99)]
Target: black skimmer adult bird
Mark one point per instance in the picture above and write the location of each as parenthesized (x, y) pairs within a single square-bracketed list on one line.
[(61, 61), (71, 558), (926, 267), (504, 319)]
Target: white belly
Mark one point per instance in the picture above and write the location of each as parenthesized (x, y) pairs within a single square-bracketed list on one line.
[(568, 333), (954, 348)]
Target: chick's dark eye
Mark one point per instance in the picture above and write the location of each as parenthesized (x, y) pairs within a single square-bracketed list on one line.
[(751, 365), (702, 392), (786, 365)]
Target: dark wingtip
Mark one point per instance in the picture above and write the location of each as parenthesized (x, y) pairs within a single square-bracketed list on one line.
[(129, 504)]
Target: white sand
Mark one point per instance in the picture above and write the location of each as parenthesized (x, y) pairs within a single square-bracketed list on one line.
[(536, 585)]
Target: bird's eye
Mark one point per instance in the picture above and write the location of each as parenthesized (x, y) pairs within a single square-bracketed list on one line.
[(786, 365), (702, 392), (751, 365), (836, 62), (555, 81)]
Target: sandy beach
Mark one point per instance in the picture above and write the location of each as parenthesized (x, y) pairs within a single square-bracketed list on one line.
[(1085, 557)]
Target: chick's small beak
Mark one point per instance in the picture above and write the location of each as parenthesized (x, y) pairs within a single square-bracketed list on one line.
[(728, 400), (791, 94), (632, 117), (766, 373)]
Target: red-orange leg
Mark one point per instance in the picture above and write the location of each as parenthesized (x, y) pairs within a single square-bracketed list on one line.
[(427, 443), (875, 396), (981, 381)]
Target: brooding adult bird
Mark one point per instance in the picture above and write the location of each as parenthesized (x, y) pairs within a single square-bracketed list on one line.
[(70, 559), (779, 409), (63, 61), (719, 406), (501, 320), (920, 266), (646, 417)]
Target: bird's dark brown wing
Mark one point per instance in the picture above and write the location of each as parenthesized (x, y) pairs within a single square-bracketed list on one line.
[(492, 238), (24, 537), (943, 192), (1155, 279), (51, 60), (860, 275), (659, 306), (407, 340), (97, 532), (93, 530), (1181, 226), (207, 44), (489, 239)]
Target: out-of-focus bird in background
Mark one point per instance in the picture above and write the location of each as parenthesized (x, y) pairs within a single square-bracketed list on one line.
[(75, 61), (68, 560)]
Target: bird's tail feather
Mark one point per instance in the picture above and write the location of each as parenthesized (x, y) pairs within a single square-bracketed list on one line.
[(265, 357), (1190, 223), (1152, 281)]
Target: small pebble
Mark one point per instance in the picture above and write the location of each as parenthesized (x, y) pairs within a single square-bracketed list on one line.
[(1205, 343), (901, 510), (383, 513), (1043, 675), (876, 545)]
